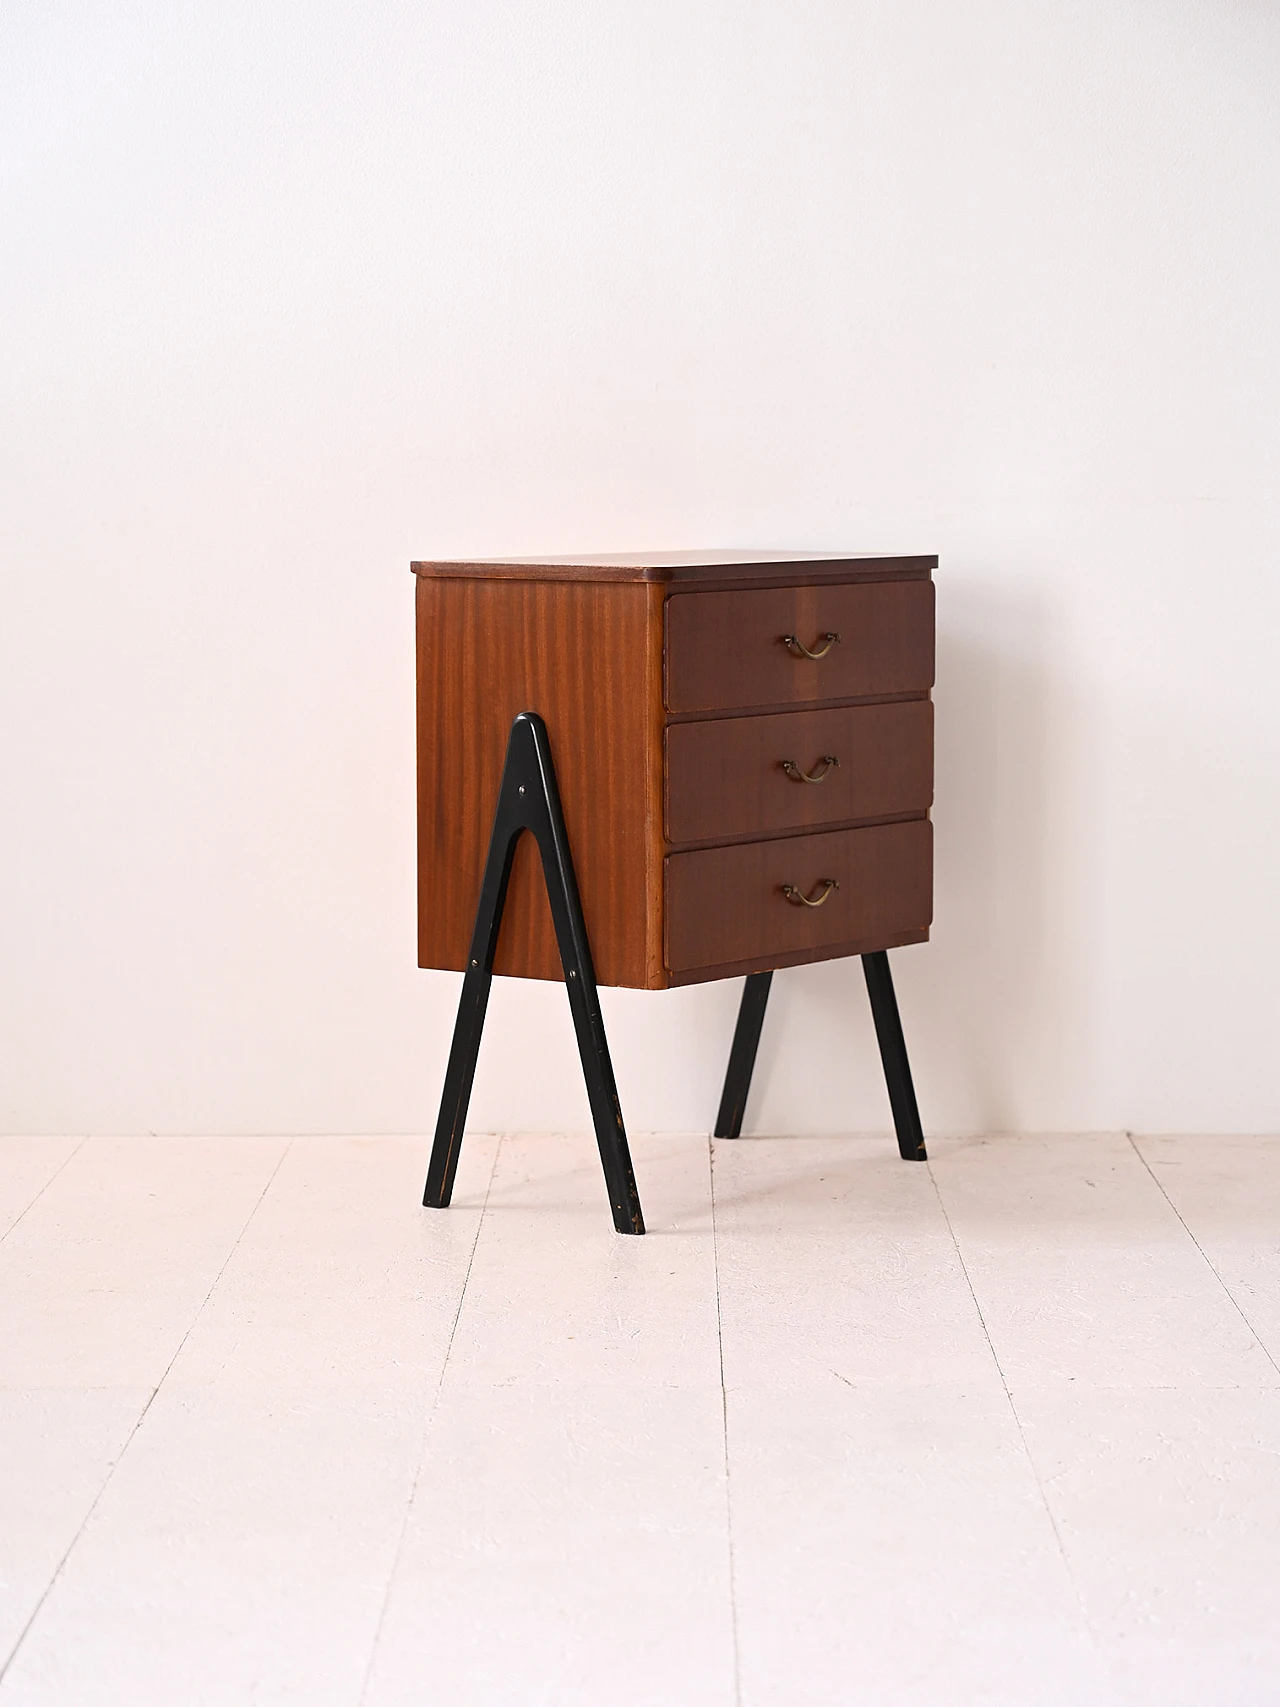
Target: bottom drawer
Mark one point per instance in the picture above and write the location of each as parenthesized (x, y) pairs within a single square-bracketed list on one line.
[(730, 908)]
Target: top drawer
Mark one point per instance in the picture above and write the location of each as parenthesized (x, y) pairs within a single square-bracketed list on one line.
[(731, 651)]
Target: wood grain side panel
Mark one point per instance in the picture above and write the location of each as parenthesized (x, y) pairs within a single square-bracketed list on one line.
[(726, 649), (725, 906), (726, 781), (581, 655)]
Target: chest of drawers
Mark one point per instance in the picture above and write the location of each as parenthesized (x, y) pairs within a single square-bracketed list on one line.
[(726, 764), (717, 781)]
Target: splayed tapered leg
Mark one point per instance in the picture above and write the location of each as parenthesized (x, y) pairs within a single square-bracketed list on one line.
[(742, 1056), (893, 1054)]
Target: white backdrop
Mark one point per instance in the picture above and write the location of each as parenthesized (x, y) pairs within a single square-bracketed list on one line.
[(293, 293)]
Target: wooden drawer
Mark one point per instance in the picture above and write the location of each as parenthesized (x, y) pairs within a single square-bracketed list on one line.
[(726, 651), (727, 779), (726, 907)]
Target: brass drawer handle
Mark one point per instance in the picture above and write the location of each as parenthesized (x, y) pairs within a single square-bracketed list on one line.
[(829, 762), (798, 900), (800, 650)]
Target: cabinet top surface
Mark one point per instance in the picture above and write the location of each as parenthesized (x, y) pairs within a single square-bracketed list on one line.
[(707, 568)]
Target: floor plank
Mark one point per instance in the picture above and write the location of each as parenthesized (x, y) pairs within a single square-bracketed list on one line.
[(239, 1553), (1168, 1503), (1227, 1191), (1082, 1270), (837, 1265), (567, 1547), (343, 1278), (892, 1547), (570, 1527), (556, 1295), (102, 1278), (244, 1544), (26, 1167), (57, 1447)]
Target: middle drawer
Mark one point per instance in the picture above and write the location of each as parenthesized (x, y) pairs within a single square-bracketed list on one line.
[(746, 776)]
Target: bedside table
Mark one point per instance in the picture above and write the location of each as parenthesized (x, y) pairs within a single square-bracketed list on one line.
[(739, 751)]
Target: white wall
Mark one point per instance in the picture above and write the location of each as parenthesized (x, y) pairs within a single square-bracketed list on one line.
[(293, 293)]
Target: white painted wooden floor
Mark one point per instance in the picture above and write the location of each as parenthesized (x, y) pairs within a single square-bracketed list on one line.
[(1004, 1428)]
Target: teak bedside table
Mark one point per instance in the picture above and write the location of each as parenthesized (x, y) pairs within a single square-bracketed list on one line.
[(726, 762)]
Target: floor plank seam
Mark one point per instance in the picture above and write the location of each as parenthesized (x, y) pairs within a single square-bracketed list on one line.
[(724, 1413), (1209, 1262), (65, 1162), (1013, 1412), (426, 1432), (142, 1417)]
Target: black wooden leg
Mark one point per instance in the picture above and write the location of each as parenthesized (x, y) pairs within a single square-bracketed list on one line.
[(457, 1089), (742, 1056), (893, 1053), (580, 980), (606, 1111), (529, 799)]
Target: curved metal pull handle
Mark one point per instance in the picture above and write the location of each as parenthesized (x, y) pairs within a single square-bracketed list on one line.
[(799, 650), (798, 900), (829, 762)]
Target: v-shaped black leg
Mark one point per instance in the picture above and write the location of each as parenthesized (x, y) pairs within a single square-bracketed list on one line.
[(530, 800), (893, 1055)]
